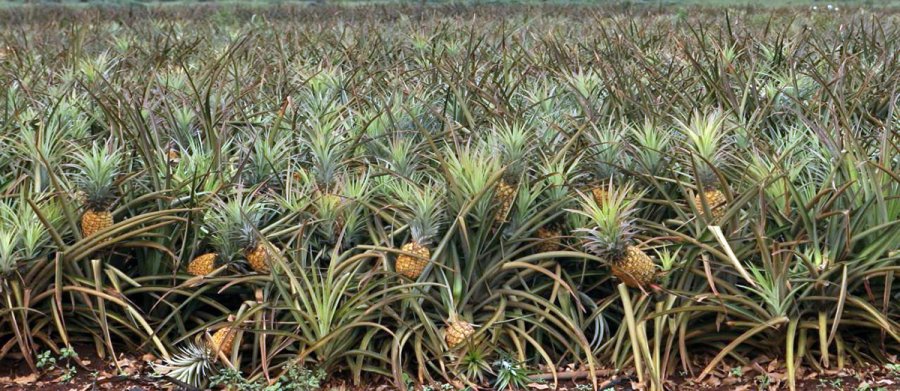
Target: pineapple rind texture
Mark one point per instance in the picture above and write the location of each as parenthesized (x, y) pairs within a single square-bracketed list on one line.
[(258, 258), (203, 264), (600, 194), (506, 194), (716, 201), (635, 269), (550, 240), (223, 340), (413, 266), (457, 332), (93, 221)]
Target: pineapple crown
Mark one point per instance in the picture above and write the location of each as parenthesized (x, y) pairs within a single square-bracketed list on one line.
[(96, 172), (605, 153), (269, 159), (232, 226), (400, 156), (512, 142), (557, 176), (651, 145), (705, 138), (469, 170), (611, 222), (326, 151), (9, 252), (422, 207), (191, 366)]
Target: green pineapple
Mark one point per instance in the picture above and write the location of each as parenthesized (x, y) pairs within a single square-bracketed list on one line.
[(610, 236)]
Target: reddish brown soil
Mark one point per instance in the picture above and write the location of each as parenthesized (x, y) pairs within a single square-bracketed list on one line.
[(133, 374)]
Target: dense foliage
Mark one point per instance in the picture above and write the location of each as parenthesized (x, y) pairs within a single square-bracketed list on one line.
[(458, 195)]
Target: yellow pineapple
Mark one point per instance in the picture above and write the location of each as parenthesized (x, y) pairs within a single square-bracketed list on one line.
[(95, 178), (258, 258), (457, 332), (716, 201), (232, 229), (513, 144), (413, 266), (635, 269), (223, 340), (203, 264), (93, 221), (599, 194), (708, 147)]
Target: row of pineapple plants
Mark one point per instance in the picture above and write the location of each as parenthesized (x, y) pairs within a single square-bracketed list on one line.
[(414, 204)]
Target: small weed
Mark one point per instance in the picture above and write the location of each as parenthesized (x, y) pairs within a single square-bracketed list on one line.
[(511, 374), (48, 363)]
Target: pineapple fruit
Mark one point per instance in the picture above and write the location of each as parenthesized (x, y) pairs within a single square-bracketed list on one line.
[(549, 239), (716, 201), (95, 178), (423, 211), (258, 258), (599, 194), (202, 264), (95, 220), (222, 340), (635, 268), (611, 237), (504, 197), (413, 266), (457, 332)]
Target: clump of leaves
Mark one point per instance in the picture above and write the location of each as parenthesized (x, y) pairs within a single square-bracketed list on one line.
[(232, 379), (298, 378)]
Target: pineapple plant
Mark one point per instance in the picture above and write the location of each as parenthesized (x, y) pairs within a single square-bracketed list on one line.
[(556, 177), (604, 157), (706, 144), (231, 228), (611, 236), (512, 144), (97, 169), (423, 210)]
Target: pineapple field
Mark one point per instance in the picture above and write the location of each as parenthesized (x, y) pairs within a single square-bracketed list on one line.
[(436, 197)]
